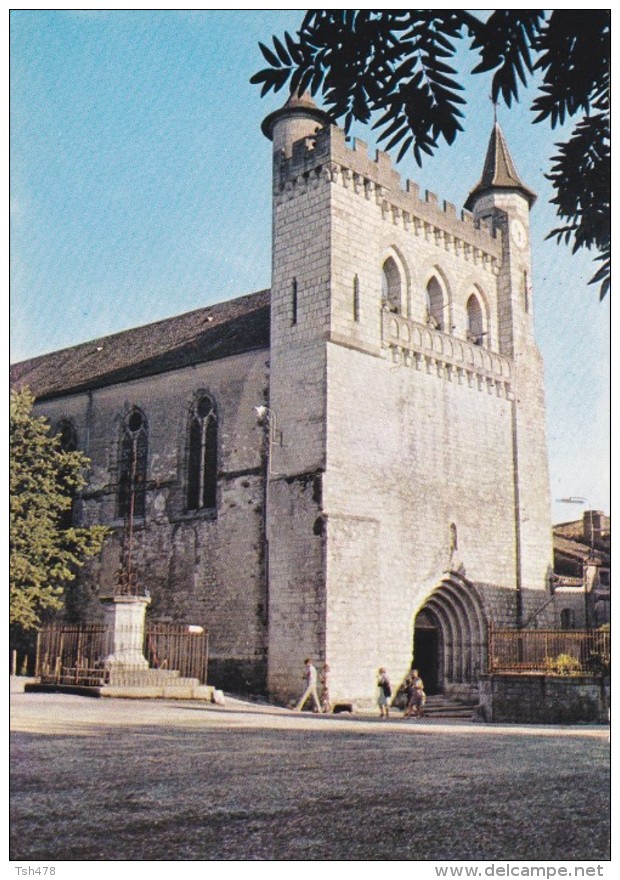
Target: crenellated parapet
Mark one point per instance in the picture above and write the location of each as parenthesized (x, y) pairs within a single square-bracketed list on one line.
[(420, 347), (327, 157)]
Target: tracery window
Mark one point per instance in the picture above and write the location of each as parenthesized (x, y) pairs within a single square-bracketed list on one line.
[(67, 437), (202, 463), (132, 465), (391, 286)]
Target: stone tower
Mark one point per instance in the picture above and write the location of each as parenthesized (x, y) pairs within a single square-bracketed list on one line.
[(407, 498)]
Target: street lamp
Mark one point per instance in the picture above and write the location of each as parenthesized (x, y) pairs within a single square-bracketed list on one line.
[(267, 416)]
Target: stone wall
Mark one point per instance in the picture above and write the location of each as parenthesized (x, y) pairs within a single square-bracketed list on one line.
[(205, 568), (418, 431), (544, 699)]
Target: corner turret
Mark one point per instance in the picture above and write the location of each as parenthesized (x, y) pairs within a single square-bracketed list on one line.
[(299, 118), (499, 173)]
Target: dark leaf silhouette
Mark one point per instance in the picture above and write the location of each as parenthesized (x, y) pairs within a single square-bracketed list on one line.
[(398, 70)]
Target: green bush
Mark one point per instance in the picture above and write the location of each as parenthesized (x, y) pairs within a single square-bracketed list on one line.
[(563, 664)]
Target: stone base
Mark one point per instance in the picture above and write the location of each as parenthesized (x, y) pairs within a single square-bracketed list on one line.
[(544, 699)]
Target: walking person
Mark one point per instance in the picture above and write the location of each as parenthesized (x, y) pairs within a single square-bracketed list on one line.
[(385, 694), (326, 704), (418, 697), (409, 692), (310, 677)]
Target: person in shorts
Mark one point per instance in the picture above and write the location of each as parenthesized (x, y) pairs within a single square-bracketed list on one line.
[(385, 694)]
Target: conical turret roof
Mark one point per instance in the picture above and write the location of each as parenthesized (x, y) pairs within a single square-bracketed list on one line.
[(296, 105), (499, 171)]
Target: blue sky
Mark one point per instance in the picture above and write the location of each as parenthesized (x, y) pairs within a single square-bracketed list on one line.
[(141, 187)]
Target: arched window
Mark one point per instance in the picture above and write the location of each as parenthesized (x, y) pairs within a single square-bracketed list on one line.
[(434, 304), (202, 463), (391, 286), (132, 469), (475, 324), (67, 437)]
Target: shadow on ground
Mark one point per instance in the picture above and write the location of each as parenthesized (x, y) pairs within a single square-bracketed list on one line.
[(162, 792)]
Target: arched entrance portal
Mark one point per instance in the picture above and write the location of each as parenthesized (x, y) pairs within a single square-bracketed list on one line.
[(450, 638)]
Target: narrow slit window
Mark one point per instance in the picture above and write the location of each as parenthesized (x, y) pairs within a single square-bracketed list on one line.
[(526, 293), (356, 298), (294, 301)]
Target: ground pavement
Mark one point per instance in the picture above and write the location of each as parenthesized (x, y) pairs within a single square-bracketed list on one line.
[(106, 779)]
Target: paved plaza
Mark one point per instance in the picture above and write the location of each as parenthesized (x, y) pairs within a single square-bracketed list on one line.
[(108, 779)]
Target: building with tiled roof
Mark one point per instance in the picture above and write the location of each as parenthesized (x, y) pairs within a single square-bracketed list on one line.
[(350, 466)]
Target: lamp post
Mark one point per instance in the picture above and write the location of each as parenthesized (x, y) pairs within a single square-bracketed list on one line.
[(580, 499), (267, 416)]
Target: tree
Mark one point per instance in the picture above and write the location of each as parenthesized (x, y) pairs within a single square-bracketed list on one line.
[(44, 553), (395, 67)]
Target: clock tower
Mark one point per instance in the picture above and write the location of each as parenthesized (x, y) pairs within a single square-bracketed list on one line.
[(501, 197)]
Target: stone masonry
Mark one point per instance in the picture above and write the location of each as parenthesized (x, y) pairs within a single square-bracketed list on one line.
[(402, 474)]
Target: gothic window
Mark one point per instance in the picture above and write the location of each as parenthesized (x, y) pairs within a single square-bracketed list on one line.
[(475, 326), (132, 466), (567, 618), (66, 434), (202, 465), (294, 301), (356, 298), (434, 304), (391, 286)]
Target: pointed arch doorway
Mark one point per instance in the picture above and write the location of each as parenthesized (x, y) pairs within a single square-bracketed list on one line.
[(450, 638)]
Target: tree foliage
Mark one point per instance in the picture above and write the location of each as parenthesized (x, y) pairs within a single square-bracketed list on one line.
[(43, 480), (397, 68)]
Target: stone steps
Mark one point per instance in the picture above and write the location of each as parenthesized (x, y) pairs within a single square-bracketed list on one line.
[(148, 683), (439, 706), (133, 683)]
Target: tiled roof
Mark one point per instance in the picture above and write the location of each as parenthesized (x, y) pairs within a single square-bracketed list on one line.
[(499, 171), (206, 334)]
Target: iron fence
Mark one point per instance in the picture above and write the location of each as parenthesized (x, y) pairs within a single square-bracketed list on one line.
[(560, 652), (77, 654)]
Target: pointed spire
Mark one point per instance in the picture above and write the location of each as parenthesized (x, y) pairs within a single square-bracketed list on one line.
[(499, 171)]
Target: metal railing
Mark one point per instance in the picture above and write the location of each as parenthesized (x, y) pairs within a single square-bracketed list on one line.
[(76, 654), (558, 652)]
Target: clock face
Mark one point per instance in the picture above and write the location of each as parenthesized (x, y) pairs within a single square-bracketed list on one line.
[(519, 235)]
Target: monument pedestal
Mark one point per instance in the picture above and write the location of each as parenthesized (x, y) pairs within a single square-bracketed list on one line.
[(124, 616)]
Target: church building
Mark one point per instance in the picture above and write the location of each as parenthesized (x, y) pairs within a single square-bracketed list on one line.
[(350, 466)]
